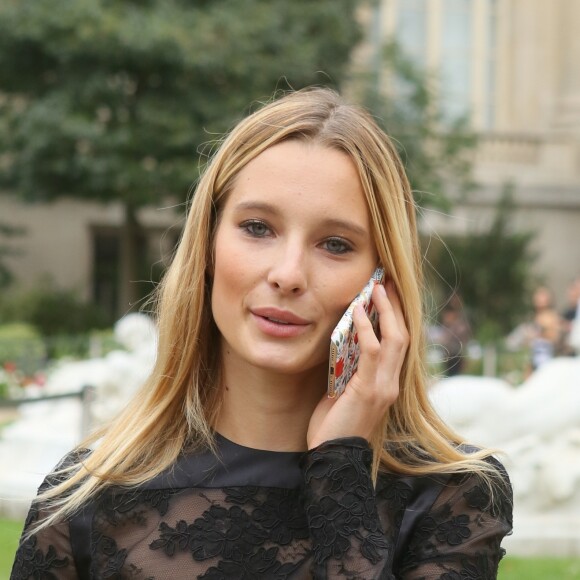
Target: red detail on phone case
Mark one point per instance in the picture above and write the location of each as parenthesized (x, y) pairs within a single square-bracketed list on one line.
[(339, 367)]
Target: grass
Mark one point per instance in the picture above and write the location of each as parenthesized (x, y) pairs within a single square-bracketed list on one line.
[(539, 569), (510, 568), (9, 536)]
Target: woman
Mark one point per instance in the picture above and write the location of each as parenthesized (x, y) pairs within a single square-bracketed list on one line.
[(544, 331), (232, 462)]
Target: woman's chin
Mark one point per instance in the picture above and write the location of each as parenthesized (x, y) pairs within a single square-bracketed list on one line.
[(285, 365)]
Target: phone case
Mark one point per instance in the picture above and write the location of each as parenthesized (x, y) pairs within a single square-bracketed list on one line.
[(344, 349)]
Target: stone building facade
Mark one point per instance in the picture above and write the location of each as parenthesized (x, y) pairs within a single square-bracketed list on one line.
[(512, 66), (76, 245)]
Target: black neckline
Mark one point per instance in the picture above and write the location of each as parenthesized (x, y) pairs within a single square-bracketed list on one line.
[(225, 443), (234, 466)]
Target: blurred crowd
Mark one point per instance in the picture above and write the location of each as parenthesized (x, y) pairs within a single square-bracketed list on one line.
[(454, 333), (548, 333)]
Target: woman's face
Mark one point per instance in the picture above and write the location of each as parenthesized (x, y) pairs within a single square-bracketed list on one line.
[(293, 247), (542, 298)]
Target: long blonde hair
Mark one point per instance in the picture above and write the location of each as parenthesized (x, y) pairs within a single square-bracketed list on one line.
[(178, 405)]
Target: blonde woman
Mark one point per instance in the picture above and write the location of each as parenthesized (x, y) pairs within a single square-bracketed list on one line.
[(232, 462)]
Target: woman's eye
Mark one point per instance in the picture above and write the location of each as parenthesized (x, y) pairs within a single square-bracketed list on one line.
[(337, 246), (256, 228)]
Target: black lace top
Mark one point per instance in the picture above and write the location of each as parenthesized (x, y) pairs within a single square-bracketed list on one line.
[(276, 515)]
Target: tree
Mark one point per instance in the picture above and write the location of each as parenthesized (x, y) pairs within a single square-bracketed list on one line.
[(492, 272), (7, 233), (112, 99), (436, 150)]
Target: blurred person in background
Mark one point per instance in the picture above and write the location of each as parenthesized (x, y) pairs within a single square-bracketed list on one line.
[(454, 334), (232, 461), (543, 334)]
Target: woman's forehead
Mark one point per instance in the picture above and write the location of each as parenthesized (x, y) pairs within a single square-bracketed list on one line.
[(303, 174)]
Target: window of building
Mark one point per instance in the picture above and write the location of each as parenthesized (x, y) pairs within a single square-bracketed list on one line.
[(442, 34), (455, 50), (411, 29), (491, 66), (154, 255), (106, 256)]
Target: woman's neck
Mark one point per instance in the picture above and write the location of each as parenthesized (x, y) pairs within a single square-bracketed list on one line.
[(265, 410)]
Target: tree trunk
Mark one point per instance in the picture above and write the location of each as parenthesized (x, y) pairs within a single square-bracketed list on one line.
[(129, 262)]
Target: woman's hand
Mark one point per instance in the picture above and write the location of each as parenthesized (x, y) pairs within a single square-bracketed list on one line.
[(375, 385)]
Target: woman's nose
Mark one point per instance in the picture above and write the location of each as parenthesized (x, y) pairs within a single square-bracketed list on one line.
[(288, 272)]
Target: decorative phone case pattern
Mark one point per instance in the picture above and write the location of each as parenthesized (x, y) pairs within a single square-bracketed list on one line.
[(344, 351)]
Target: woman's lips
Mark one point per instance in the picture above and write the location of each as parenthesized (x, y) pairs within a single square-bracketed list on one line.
[(279, 323)]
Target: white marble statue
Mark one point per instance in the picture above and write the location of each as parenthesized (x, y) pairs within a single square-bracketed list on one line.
[(45, 431), (537, 427)]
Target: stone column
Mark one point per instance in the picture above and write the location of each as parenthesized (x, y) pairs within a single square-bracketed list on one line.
[(566, 116)]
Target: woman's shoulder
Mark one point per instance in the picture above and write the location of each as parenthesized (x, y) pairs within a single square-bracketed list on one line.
[(487, 486), (444, 509), (61, 470)]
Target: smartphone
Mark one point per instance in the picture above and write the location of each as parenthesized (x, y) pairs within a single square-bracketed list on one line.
[(344, 348)]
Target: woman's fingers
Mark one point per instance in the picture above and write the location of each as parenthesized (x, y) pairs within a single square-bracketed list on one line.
[(380, 363), (370, 349), (392, 322)]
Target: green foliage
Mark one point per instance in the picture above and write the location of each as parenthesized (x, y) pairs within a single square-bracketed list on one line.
[(46, 324), (491, 271), (111, 100), (435, 151), (52, 311), (22, 346), (7, 233)]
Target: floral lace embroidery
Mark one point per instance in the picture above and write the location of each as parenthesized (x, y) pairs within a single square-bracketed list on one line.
[(336, 526), (117, 507), (237, 536), (33, 562), (342, 510), (260, 565), (108, 559)]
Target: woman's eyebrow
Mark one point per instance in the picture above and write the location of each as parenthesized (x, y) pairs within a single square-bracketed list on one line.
[(337, 223), (257, 205), (346, 225)]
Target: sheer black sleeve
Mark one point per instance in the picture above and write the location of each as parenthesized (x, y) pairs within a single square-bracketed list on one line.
[(354, 532), (460, 536), (348, 538), (45, 554)]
